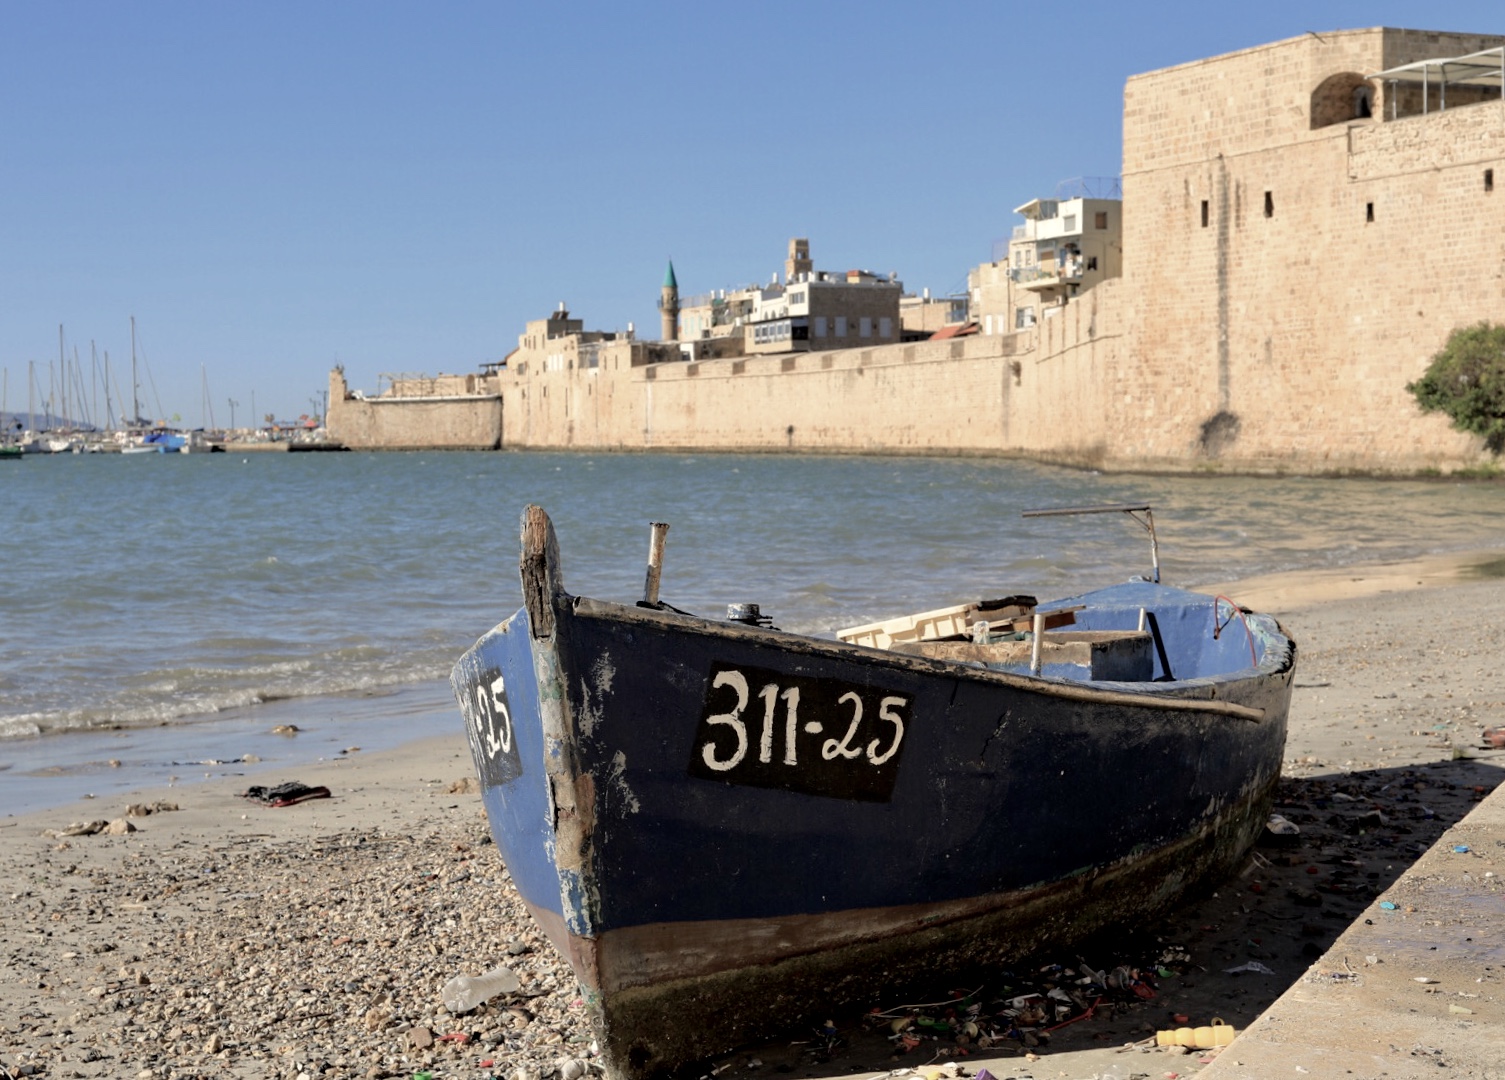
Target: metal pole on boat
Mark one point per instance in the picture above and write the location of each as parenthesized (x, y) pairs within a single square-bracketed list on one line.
[(1147, 523), (658, 530), (1034, 651)]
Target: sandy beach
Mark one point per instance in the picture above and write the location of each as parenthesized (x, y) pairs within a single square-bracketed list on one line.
[(215, 936)]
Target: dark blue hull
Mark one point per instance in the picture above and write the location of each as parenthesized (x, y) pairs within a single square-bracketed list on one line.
[(710, 812)]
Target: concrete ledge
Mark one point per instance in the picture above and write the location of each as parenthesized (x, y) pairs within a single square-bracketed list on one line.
[(1364, 1010)]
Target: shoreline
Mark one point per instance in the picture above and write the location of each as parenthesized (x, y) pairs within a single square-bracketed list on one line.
[(44, 772), (49, 771)]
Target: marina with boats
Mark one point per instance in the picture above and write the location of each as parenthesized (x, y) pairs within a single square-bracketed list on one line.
[(74, 421)]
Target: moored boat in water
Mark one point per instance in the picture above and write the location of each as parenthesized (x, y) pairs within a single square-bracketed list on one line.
[(726, 827)]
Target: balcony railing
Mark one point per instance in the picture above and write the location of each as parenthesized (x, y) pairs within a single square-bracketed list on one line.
[(1069, 271)]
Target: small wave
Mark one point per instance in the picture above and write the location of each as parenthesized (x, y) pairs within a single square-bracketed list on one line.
[(15, 727), (171, 704)]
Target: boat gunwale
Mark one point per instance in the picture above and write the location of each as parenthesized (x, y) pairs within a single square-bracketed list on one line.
[(588, 607)]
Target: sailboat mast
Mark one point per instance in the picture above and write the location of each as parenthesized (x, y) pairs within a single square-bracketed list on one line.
[(135, 386), (62, 363)]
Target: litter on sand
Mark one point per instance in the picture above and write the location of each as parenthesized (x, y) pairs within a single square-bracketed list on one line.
[(285, 794)]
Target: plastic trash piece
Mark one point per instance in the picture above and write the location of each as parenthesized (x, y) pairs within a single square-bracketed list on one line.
[(1202, 1038), (1253, 967), (1281, 826), (465, 992), (1460, 849), (1387, 905)]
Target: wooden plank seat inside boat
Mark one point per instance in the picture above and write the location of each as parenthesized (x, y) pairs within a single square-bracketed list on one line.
[(1102, 655)]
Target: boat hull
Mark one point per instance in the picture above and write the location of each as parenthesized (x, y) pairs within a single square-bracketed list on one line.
[(726, 828)]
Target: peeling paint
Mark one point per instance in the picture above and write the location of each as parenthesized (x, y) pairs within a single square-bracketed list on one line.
[(619, 782), (603, 673), (591, 712)]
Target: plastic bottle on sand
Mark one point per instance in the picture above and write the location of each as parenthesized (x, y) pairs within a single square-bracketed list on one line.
[(465, 992)]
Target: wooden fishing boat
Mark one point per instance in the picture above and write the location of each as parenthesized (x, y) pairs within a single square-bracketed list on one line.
[(728, 829)]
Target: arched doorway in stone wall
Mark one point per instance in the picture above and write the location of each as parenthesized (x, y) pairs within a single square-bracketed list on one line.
[(1341, 98)]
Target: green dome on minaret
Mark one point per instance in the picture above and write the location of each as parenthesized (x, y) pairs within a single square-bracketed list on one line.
[(668, 305)]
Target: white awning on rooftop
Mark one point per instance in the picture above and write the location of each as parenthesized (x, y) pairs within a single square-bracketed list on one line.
[(1485, 68)]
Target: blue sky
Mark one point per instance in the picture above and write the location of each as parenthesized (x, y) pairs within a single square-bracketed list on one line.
[(272, 188)]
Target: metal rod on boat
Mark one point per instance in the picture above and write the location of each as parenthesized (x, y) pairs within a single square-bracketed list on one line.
[(657, 531), (1034, 652), (1144, 620), (1147, 523)]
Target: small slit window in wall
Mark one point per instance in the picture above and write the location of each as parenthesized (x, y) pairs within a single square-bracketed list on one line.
[(1489, 179), (1204, 213), (1269, 204), (1368, 212)]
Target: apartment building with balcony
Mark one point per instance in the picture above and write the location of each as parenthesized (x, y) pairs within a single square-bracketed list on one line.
[(1064, 246)]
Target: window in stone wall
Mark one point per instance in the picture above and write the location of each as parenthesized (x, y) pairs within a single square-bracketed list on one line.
[(1368, 213), (865, 327), (1024, 318), (1489, 179), (1091, 262), (885, 327), (1204, 213), (1269, 204), (841, 326), (1100, 219), (820, 326)]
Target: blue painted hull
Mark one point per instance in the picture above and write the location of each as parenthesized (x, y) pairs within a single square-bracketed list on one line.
[(766, 824)]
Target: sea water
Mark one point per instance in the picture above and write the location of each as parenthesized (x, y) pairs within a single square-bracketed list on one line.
[(204, 594)]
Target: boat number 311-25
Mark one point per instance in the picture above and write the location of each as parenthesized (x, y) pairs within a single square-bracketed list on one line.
[(817, 736)]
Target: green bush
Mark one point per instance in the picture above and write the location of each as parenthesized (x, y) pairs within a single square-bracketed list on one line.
[(1466, 380)]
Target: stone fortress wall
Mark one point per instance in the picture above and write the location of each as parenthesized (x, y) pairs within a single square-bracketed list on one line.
[(1288, 267), (1286, 281), (448, 412)]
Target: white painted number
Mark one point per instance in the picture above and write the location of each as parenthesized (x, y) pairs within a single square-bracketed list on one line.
[(496, 734), (886, 712), (738, 682), (845, 748), (762, 737), (791, 722)]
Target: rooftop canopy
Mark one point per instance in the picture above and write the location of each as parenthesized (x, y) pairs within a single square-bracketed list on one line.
[(1485, 68)]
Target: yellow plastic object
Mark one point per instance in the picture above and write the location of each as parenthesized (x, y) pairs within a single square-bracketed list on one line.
[(1202, 1038)]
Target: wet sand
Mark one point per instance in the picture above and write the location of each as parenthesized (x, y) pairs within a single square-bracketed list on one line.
[(228, 938)]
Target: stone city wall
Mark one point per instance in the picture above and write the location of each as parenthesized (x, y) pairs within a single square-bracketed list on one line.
[(398, 422), (1035, 393)]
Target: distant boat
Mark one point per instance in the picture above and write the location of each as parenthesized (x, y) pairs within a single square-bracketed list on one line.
[(11, 453), (156, 442), (728, 829)]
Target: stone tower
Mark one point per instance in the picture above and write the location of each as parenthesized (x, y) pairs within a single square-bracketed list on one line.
[(668, 305), (798, 264)]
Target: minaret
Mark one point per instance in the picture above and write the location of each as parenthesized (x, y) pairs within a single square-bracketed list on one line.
[(668, 305), (798, 264)]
